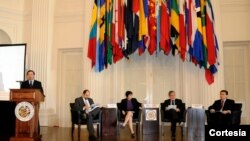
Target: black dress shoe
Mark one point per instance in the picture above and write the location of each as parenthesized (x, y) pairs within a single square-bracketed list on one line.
[(173, 135), (133, 135), (92, 138)]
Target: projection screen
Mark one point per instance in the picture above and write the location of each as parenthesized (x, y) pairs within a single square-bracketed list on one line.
[(12, 66)]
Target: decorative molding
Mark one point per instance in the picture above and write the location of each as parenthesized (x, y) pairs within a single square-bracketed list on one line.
[(235, 6), (76, 16), (13, 14), (234, 2), (233, 43)]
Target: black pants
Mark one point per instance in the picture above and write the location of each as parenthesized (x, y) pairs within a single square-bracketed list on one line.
[(90, 116), (220, 119), (174, 117)]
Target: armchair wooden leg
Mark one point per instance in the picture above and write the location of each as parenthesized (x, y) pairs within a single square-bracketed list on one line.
[(98, 130), (182, 133), (162, 129), (118, 129), (138, 131), (79, 131), (72, 130)]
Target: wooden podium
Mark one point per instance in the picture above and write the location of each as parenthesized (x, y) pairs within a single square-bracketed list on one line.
[(27, 112), (109, 122), (150, 123)]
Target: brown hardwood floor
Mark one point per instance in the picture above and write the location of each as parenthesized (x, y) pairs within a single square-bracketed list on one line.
[(64, 134)]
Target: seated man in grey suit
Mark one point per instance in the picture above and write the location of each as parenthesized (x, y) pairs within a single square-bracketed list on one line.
[(85, 103)]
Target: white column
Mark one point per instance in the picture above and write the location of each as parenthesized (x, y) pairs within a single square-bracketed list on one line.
[(41, 35), (40, 53)]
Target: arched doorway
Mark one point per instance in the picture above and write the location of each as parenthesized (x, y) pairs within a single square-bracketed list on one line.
[(4, 37)]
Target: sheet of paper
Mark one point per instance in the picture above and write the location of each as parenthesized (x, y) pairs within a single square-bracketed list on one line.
[(172, 107), (112, 106)]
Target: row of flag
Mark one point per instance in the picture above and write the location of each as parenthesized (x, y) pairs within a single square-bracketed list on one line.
[(120, 28)]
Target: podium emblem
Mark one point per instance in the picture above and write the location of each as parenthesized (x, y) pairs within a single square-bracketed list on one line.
[(151, 115), (24, 111)]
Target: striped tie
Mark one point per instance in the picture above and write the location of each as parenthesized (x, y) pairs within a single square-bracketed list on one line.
[(222, 104), (30, 82)]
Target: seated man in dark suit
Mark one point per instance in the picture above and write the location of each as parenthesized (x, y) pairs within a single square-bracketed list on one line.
[(129, 106), (85, 103), (31, 83), (173, 110), (220, 111)]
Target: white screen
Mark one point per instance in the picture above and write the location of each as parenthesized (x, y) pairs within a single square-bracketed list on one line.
[(12, 63)]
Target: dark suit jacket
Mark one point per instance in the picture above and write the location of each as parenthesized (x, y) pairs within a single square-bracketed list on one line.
[(135, 104), (178, 103), (79, 103), (228, 105), (36, 85)]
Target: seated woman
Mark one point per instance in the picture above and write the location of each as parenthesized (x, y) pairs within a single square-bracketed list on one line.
[(129, 107)]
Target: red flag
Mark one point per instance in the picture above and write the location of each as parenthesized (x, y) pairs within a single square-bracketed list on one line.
[(152, 27), (92, 51), (117, 53), (165, 37), (93, 36), (136, 6), (120, 20), (211, 49), (117, 50), (189, 28), (182, 32), (209, 76)]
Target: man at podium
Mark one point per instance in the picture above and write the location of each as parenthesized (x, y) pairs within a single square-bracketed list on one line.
[(31, 83)]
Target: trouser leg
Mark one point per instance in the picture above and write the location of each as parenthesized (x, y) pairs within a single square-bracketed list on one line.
[(90, 117)]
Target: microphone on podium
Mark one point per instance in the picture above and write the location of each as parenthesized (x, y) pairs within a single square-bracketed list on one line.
[(20, 82)]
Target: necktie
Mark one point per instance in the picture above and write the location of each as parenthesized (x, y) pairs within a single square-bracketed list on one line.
[(222, 104), (172, 102), (30, 83), (87, 104)]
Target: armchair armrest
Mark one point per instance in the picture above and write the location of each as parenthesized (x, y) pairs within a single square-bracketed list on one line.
[(139, 115), (162, 110), (184, 116), (118, 114), (162, 114), (100, 115), (76, 116), (236, 117)]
